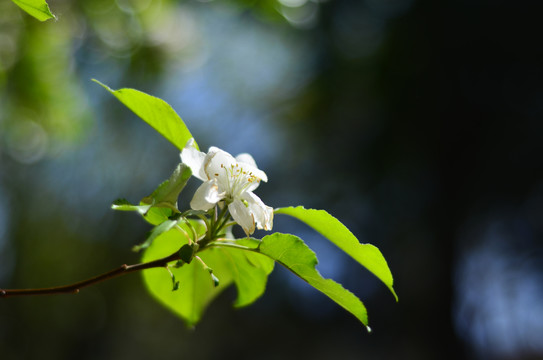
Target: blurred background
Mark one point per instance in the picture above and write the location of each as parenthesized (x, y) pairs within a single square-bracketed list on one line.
[(417, 123)]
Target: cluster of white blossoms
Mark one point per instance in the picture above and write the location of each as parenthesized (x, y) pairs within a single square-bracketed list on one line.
[(231, 180)]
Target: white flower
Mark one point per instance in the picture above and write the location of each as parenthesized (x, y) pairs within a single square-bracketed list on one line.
[(231, 180)]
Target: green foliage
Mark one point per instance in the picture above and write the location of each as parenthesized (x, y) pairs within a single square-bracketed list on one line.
[(156, 232), (37, 8), (246, 263), (125, 205), (162, 203), (291, 252), (208, 261), (153, 215), (197, 287), (155, 112), (167, 193), (366, 254), (250, 273)]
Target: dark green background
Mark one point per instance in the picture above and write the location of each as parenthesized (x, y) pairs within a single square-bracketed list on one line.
[(416, 123)]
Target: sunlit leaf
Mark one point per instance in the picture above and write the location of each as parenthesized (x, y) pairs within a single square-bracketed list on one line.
[(367, 255), (196, 288), (291, 252), (125, 205), (157, 215), (250, 273), (156, 112), (167, 193), (153, 215), (162, 203), (37, 8), (156, 232)]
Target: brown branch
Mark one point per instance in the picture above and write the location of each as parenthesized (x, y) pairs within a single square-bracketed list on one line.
[(74, 288)]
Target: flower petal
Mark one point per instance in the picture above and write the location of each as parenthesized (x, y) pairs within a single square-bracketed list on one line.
[(206, 196), (249, 165), (246, 159), (253, 184), (242, 215), (194, 159), (263, 215), (219, 165)]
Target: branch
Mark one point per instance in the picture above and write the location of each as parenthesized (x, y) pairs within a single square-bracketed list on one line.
[(74, 288)]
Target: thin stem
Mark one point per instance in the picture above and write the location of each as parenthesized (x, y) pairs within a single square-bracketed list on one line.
[(222, 220), (214, 221), (209, 270), (185, 233), (74, 288), (202, 262), (219, 222), (205, 220), (225, 243), (228, 224)]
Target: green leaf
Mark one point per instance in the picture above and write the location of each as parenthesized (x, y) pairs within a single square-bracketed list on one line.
[(157, 215), (125, 205), (37, 8), (367, 255), (167, 193), (291, 252), (153, 215), (162, 203), (196, 287), (250, 273), (156, 112), (156, 232)]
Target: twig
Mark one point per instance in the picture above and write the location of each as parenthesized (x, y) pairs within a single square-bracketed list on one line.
[(74, 288)]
